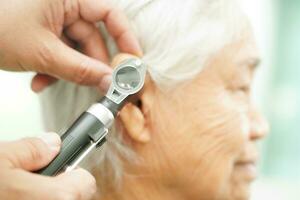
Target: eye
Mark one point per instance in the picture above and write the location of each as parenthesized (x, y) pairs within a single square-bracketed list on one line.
[(245, 88), (241, 93), (240, 90)]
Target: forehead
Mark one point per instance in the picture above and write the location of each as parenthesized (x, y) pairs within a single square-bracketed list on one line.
[(247, 45), (241, 52), (236, 59), (246, 53)]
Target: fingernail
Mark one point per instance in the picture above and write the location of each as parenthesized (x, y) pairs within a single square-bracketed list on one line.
[(139, 52), (105, 83), (52, 140)]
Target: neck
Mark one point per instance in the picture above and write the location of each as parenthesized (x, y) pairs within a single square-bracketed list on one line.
[(139, 187)]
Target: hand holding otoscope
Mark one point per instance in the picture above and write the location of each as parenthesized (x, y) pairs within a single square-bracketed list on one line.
[(29, 42), (89, 130)]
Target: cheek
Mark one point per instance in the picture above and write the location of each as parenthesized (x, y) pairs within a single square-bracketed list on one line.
[(215, 137), (202, 136), (216, 126)]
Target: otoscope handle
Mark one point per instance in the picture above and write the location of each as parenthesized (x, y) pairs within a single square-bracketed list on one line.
[(86, 130), (90, 129)]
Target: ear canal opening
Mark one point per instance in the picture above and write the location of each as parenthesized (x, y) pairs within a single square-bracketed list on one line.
[(139, 104)]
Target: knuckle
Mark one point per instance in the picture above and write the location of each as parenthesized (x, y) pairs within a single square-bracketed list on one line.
[(87, 175), (83, 72), (90, 181), (45, 56), (35, 147), (71, 10)]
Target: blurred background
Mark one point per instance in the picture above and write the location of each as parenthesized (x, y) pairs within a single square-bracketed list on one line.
[(277, 92)]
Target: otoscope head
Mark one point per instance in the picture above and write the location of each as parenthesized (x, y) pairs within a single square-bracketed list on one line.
[(128, 79)]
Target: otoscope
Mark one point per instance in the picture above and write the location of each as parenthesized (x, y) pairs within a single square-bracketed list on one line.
[(90, 129)]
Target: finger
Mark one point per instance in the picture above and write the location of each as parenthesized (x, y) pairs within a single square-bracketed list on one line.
[(89, 39), (31, 154), (40, 81), (119, 58), (20, 184), (115, 21), (68, 41), (81, 181), (78, 185), (61, 61)]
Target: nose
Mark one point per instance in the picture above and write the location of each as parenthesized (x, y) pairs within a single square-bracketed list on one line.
[(259, 126)]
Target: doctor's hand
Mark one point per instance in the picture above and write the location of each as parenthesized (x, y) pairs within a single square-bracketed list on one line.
[(17, 183), (59, 39)]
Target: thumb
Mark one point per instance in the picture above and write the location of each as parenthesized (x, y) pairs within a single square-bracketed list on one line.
[(31, 154), (81, 180), (61, 61)]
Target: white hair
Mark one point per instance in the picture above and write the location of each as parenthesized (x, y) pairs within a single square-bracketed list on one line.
[(177, 37)]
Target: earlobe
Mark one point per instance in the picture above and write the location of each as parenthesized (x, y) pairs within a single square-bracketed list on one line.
[(134, 122)]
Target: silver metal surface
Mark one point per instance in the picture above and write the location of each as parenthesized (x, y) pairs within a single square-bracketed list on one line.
[(102, 113), (86, 152), (127, 79)]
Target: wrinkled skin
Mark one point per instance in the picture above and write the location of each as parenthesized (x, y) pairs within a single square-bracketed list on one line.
[(197, 141)]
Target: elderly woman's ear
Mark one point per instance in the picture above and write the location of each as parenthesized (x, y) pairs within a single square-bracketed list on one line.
[(134, 122), (134, 117)]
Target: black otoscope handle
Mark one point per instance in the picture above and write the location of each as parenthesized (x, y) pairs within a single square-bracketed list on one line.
[(85, 130), (90, 129)]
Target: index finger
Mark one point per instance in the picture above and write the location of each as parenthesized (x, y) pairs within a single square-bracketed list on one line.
[(115, 21)]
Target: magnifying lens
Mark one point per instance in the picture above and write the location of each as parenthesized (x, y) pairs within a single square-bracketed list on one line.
[(90, 129)]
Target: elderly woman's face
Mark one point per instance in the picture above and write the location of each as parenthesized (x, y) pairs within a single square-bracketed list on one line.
[(203, 134)]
